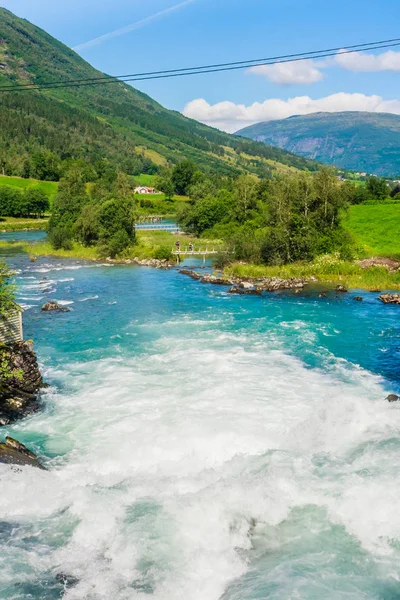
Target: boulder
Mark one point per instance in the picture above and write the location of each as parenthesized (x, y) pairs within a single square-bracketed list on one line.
[(18, 395), (245, 292), (51, 305), (393, 398), (191, 274), (15, 453), (390, 298), (246, 285), (341, 289)]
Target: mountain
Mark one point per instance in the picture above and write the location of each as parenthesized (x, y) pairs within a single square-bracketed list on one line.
[(357, 141), (113, 121)]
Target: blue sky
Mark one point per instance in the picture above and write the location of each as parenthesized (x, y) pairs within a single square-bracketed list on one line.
[(208, 31)]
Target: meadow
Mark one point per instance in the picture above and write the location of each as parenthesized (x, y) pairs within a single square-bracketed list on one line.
[(375, 229), (48, 187)]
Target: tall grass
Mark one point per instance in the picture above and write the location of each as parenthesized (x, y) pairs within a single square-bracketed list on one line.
[(325, 269)]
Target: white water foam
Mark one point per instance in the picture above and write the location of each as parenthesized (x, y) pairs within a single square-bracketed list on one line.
[(171, 455)]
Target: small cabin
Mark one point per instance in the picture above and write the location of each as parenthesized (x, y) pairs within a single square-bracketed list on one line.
[(144, 190)]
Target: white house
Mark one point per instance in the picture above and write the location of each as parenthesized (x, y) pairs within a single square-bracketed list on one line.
[(143, 189)]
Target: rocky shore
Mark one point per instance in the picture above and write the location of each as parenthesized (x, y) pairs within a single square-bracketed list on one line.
[(247, 285), (19, 393)]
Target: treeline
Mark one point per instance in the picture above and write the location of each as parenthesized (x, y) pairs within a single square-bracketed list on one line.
[(376, 189), (31, 202), (102, 215), (273, 221)]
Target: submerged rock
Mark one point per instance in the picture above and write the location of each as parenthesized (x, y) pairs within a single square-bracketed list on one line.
[(358, 298), (245, 292), (390, 298), (15, 453), (18, 394), (191, 273), (393, 398), (51, 305)]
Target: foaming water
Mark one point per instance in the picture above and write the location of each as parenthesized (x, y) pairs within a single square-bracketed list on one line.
[(204, 447)]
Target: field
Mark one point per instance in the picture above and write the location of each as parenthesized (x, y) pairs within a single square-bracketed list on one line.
[(48, 187), (375, 228)]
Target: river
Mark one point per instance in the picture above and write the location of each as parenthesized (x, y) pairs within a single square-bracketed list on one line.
[(203, 446)]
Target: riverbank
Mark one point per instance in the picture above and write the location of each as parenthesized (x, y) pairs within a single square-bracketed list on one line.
[(151, 245), (10, 224), (351, 275), (326, 269)]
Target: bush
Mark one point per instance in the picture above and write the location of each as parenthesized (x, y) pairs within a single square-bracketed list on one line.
[(60, 238), (163, 253), (117, 243)]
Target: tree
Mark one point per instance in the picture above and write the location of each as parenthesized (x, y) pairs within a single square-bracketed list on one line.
[(117, 220), (164, 184), (36, 202), (378, 187), (183, 175), (245, 196)]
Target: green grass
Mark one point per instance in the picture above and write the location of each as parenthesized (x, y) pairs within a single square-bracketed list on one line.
[(48, 187), (147, 244), (144, 179), (11, 224), (326, 269), (149, 241), (375, 228)]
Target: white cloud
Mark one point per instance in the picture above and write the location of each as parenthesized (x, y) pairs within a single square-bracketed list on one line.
[(300, 72), (310, 71), (370, 63), (231, 117)]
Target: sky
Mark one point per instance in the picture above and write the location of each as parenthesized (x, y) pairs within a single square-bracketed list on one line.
[(127, 36)]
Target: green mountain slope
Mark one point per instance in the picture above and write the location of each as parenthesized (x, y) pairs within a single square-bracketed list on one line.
[(113, 121), (358, 141)]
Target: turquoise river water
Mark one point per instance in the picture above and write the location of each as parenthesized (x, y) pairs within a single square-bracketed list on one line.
[(203, 446)]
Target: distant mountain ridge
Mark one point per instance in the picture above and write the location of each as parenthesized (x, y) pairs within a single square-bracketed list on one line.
[(357, 141), (114, 122)]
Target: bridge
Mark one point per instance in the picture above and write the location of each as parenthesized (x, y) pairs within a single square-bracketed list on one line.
[(158, 227), (188, 252)]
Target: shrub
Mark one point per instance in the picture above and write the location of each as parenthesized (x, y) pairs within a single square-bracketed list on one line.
[(60, 238), (163, 253)]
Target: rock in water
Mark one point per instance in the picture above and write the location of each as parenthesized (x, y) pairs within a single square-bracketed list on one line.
[(358, 298), (390, 298), (53, 306), (393, 398), (15, 453), (341, 289)]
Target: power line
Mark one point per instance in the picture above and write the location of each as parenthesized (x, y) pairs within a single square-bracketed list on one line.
[(216, 68)]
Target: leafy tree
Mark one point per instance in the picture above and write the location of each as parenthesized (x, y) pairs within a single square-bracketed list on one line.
[(164, 184), (183, 175), (378, 187)]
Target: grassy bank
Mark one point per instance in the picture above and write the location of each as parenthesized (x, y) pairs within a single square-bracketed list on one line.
[(148, 243), (375, 228), (328, 270), (11, 224)]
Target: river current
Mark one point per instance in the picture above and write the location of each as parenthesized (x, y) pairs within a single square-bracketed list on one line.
[(203, 446)]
